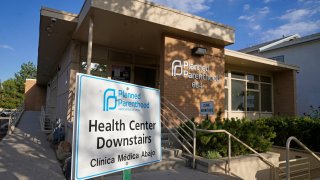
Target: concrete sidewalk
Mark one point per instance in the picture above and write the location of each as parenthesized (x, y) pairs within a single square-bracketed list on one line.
[(26, 154), (182, 173)]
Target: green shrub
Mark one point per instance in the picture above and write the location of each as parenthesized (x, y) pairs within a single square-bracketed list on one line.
[(211, 155), (306, 129), (259, 134), (254, 133)]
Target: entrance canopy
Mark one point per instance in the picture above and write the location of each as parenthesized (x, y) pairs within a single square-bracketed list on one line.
[(134, 25)]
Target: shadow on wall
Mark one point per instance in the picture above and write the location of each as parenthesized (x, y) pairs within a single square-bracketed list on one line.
[(179, 89), (149, 12)]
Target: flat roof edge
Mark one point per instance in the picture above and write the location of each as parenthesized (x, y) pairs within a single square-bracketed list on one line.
[(184, 13), (54, 13), (154, 13), (260, 59)]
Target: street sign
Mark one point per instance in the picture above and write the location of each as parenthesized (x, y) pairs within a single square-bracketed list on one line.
[(207, 108), (117, 127)]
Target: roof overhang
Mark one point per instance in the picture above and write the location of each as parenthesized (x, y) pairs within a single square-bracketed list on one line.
[(56, 28), (135, 25), (238, 59), (123, 22)]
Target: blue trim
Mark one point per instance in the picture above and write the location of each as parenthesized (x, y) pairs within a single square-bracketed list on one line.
[(78, 118)]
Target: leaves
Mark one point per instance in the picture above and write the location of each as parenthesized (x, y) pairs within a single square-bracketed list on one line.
[(12, 90)]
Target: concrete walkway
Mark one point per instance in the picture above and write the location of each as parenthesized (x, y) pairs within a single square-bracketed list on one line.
[(26, 154), (182, 173)]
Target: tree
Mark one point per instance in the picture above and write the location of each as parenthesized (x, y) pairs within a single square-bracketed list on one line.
[(9, 95), (28, 71), (12, 90)]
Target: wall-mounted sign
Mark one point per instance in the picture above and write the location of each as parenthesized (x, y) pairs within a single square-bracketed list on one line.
[(187, 69), (117, 127), (207, 108)]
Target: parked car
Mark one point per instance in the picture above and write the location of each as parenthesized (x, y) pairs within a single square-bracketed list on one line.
[(5, 113)]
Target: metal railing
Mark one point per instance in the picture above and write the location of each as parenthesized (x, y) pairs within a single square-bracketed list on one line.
[(288, 154), (14, 118), (45, 122), (178, 115), (300, 168), (169, 109)]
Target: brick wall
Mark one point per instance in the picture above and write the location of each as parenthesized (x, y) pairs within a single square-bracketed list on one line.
[(178, 89), (34, 96), (284, 89)]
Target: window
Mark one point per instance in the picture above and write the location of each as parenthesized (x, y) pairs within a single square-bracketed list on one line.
[(278, 58), (237, 93), (121, 73), (97, 69), (252, 77), (266, 103), (226, 99), (265, 79), (237, 75), (249, 92), (252, 101)]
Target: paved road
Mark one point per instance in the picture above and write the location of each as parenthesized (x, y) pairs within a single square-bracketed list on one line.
[(26, 154)]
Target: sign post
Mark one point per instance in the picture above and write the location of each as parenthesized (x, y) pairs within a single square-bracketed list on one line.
[(126, 175), (116, 128)]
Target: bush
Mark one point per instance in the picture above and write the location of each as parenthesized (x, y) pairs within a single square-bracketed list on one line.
[(211, 155), (306, 129), (259, 134), (254, 133)]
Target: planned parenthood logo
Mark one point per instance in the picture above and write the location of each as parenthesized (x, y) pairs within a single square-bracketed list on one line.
[(123, 100), (192, 71), (177, 65), (109, 100)]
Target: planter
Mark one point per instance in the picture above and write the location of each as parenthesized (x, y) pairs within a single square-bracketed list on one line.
[(244, 167)]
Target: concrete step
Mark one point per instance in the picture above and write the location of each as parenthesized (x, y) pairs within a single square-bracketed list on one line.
[(171, 159), (171, 153)]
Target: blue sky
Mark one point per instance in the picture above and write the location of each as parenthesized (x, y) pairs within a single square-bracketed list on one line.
[(255, 21)]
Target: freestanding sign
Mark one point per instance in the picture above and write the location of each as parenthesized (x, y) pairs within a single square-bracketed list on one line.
[(116, 127), (206, 108)]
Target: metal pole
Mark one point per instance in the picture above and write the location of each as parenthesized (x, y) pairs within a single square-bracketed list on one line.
[(9, 124), (229, 153), (90, 38), (194, 149), (288, 159)]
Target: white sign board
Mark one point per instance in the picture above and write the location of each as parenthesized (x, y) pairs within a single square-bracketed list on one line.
[(117, 127), (206, 108)]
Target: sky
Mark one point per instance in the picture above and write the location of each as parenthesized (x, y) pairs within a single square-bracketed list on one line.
[(254, 21)]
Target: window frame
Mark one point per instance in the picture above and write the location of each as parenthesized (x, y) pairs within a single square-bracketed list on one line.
[(228, 86)]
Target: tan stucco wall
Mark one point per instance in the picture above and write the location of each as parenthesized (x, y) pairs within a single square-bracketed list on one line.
[(60, 98), (178, 90), (34, 96), (284, 93)]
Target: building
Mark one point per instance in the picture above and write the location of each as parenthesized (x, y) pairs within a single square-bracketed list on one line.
[(302, 51), (147, 44)]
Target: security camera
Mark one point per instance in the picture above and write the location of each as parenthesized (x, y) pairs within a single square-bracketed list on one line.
[(53, 20)]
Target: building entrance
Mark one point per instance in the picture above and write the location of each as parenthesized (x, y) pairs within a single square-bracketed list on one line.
[(145, 76)]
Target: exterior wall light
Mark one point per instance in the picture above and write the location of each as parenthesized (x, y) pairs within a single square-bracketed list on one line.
[(198, 51)]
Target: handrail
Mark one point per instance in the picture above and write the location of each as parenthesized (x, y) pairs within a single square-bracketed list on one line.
[(183, 124), (241, 142), (14, 118), (167, 103), (194, 126), (288, 151), (165, 100)]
